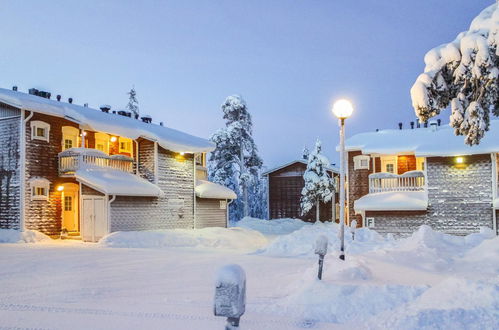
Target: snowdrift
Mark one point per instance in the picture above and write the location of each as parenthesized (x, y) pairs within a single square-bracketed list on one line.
[(272, 227), (16, 236), (220, 238)]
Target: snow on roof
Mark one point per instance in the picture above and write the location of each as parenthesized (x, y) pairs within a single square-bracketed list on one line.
[(303, 161), (96, 120), (207, 189), (115, 182), (393, 201), (423, 142)]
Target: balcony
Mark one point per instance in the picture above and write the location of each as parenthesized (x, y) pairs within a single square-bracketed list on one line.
[(74, 159), (389, 182)]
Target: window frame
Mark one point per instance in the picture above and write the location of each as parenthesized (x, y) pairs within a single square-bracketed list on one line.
[(70, 133), (357, 162), (103, 138), (389, 160), (39, 183), (38, 124), (125, 140)]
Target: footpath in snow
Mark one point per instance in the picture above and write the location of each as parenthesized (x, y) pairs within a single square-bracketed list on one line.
[(166, 279)]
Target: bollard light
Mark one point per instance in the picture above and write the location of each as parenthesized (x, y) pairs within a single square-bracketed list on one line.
[(230, 295), (321, 250), (353, 227)]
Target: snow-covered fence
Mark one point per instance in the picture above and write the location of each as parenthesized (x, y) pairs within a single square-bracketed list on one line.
[(230, 295), (74, 159), (386, 182)]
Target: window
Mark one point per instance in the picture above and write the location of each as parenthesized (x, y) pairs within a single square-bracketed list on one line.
[(223, 205), (370, 222), (390, 168), (361, 162), (102, 142), (126, 146), (70, 137), (420, 163), (68, 203), (40, 130), (389, 164), (201, 159), (39, 188)]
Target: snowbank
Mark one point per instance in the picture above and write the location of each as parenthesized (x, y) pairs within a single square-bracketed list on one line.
[(272, 227), (220, 238), (393, 201), (16, 236)]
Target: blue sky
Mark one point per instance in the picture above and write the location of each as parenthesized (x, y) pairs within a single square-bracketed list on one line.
[(289, 59)]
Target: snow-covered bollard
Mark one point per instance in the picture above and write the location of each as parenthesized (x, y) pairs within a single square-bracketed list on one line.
[(321, 250), (353, 227), (230, 295)]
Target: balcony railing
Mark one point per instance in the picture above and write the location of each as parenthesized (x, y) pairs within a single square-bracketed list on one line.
[(74, 159), (389, 182)]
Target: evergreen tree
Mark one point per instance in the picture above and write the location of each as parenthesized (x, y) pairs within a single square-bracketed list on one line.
[(319, 186), (133, 104), (465, 75), (235, 162), (305, 153)]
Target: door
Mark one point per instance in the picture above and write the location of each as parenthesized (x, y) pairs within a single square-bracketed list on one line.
[(94, 215), (389, 164), (69, 201)]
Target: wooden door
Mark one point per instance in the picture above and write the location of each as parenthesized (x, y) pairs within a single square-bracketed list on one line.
[(70, 210), (94, 224)]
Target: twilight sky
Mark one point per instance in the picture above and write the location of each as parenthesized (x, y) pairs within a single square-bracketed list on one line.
[(289, 60)]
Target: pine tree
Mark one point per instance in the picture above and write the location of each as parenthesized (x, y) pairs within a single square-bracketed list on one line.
[(305, 153), (319, 186), (465, 75), (235, 162), (133, 104)]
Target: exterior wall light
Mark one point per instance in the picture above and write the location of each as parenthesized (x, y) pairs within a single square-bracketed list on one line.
[(60, 188), (182, 153), (459, 160), (113, 138)]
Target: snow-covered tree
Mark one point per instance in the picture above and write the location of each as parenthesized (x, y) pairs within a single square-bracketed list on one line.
[(133, 104), (235, 162), (319, 186), (465, 75), (305, 153)]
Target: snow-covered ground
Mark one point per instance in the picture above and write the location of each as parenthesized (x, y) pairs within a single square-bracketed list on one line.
[(165, 279)]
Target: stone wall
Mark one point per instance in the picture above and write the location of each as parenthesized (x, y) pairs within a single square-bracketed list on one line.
[(9, 169)]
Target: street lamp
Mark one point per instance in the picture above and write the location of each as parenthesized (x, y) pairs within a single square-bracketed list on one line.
[(342, 109)]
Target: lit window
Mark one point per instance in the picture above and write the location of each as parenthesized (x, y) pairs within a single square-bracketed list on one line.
[(40, 130), (102, 142), (68, 203), (420, 163), (39, 188), (361, 162), (70, 137), (126, 146), (390, 168)]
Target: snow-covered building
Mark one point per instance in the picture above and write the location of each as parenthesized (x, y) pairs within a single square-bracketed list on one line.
[(284, 186), (400, 179), (65, 167)]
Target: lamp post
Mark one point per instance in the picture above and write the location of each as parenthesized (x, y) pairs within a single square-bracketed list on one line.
[(342, 109)]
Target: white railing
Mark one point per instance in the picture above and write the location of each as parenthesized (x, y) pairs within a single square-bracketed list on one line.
[(74, 159), (387, 182)]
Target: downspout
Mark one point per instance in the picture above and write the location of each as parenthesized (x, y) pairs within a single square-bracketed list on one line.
[(227, 213), (494, 190), (136, 157), (22, 197), (194, 190), (268, 196), (156, 162), (113, 198)]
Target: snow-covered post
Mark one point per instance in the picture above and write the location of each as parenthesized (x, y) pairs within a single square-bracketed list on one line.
[(321, 250), (230, 295), (353, 226), (342, 109)]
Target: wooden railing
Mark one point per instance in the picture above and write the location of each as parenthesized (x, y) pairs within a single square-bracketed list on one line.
[(72, 160), (388, 182)]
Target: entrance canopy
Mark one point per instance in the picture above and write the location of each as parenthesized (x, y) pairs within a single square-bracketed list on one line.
[(115, 182), (207, 189)]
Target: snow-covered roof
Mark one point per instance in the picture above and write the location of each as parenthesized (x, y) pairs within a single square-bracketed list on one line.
[(393, 201), (423, 142), (303, 161), (96, 120), (207, 189), (115, 182)]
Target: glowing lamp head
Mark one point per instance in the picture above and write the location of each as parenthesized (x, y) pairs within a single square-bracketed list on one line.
[(342, 109), (182, 153), (113, 138), (60, 188), (459, 160)]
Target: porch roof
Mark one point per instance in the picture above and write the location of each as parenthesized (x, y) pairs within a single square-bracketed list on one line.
[(115, 182), (393, 201), (207, 189)]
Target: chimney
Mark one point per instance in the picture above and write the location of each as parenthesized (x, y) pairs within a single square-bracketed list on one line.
[(439, 121), (136, 116), (58, 97), (377, 129), (14, 88), (85, 105), (70, 100), (433, 125), (426, 124), (114, 112), (400, 125), (146, 119), (123, 113), (418, 124), (161, 123), (33, 91), (412, 125), (105, 108)]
